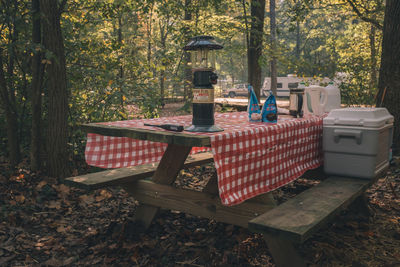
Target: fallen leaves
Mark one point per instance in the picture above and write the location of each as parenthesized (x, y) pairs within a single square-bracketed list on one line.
[(20, 198), (104, 194), (40, 185), (45, 222)]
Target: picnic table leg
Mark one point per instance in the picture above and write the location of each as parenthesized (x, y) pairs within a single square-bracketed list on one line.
[(166, 173), (212, 187), (283, 252)]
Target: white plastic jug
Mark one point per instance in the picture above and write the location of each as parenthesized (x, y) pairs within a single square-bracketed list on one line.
[(331, 97), (318, 99), (312, 100)]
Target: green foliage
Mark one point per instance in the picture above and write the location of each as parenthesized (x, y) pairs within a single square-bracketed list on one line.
[(120, 54), (325, 39)]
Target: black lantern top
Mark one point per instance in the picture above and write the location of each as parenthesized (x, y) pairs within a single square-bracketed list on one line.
[(202, 42)]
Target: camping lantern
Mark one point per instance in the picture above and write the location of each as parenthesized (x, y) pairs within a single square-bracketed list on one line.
[(202, 50)]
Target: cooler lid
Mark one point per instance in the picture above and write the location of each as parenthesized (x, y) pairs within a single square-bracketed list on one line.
[(358, 116)]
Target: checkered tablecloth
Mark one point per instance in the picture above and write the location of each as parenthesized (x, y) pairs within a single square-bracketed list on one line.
[(250, 158)]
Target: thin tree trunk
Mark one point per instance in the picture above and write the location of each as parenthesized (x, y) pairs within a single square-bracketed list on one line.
[(246, 24), (36, 94), (57, 155), (298, 40), (374, 79), (121, 68), (389, 74), (11, 118), (188, 71), (7, 88), (233, 73), (149, 30), (274, 74), (163, 41), (254, 51)]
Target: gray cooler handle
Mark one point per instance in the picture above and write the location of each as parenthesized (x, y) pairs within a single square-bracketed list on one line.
[(338, 133)]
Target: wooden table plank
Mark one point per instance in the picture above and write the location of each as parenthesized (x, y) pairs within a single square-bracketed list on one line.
[(177, 138), (129, 174), (298, 218), (196, 203)]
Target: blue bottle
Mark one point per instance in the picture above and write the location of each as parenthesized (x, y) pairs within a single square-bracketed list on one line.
[(269, 110), (253, 108)]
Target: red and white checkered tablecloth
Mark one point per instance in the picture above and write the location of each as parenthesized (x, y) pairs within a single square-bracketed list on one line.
[(250, 158)]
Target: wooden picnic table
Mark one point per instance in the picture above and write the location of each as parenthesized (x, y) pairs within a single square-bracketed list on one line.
[(283, 226), (159, 192)]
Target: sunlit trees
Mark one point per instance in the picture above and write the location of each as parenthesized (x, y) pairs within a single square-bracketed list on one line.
[(124, 58)]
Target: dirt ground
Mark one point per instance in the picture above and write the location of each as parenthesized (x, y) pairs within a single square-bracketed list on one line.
[(44, 222)]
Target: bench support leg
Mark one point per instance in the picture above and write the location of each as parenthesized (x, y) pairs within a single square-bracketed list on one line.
[(283, 252), (167, 171), (360, 205)]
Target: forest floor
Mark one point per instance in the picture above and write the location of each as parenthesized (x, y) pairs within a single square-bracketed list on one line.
[(46, 223)]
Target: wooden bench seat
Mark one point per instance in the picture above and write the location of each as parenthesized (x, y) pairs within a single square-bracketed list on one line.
[(297, 219), (121, 175)]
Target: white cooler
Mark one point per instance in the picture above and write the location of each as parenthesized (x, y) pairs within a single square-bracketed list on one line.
[(357, 141)]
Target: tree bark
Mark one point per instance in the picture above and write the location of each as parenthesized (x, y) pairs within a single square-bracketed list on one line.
[(389, 74), (57, 154), (373, 74), (120, 63), (254, 52), (298, 40), (162, 72), (163, 40), (7, 85), (11, 118), (274, 72), (188, 70), (149, 33), (36, 89)]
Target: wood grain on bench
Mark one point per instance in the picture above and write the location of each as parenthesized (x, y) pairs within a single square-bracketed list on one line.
[(128, 174), (298, 218)]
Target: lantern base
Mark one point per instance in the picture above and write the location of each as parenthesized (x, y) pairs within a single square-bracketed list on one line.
[(204, 128)]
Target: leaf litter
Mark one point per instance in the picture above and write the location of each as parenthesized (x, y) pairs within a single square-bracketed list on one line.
[(45, 222)]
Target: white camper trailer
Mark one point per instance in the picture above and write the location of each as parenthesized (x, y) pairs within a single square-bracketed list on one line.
[(284, 84)]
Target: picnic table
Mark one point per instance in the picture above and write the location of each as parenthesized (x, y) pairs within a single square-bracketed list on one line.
[(251, 160)]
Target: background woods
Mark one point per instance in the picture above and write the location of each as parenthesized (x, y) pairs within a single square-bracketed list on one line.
[(67, 62)]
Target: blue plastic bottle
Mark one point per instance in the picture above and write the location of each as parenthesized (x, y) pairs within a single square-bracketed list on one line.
[(253, 108), (269, 110)]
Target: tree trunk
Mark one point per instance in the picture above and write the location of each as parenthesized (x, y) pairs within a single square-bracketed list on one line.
[(274, 73), (149, 32), (254, 51), (163, 41), (36, 93), (389, 74), (188, 71), (11, 118), (121, 68), (372, 35), (57, 155), (232, 73), (298, 40), (7, 87)]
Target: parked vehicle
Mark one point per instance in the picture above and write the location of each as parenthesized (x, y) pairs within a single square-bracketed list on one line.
[(284, 84), (237, 90)]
